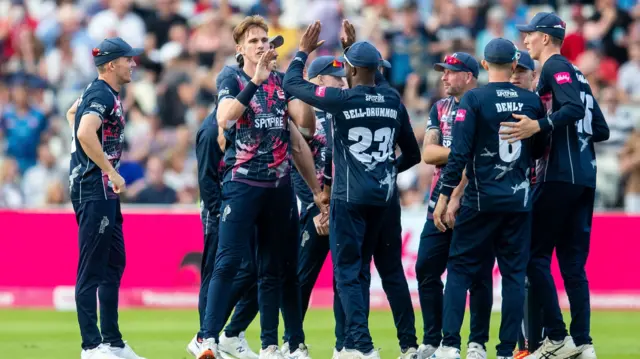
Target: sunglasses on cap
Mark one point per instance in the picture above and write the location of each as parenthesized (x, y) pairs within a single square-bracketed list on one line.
[(335, 64), (450, 60)]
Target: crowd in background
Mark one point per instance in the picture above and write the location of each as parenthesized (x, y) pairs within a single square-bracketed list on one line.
[(45, 62)]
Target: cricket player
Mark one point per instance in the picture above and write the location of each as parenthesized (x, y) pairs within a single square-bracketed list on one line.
[(94, 186), (531, 330), (237, 347), (368, 122), (460, 72), (254, 111), (210, 171), (495, 216), (565, 189)]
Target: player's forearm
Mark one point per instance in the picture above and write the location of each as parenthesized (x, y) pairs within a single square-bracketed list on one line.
[(229, 110), (71, 114), (93, 148), (295, 84), (303, 160), (569, 113), (304, 117), (435, 155), (459, 190)]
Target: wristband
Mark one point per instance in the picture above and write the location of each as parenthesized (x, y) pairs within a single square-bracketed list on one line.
[(244, 97)]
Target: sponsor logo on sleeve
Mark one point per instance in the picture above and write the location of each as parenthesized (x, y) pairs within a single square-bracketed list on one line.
[(320, 91), (563, 78)]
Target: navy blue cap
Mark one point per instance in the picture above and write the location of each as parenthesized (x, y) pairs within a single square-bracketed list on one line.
[(460, 62), (525, 61), (326, 65), (546, 22), (500, 51), (364, 54), (113, 48)]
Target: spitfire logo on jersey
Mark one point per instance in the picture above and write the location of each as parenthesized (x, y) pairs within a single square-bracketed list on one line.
[(269, 122), (509, 106), (507, 93), (563, 78), (374, 98)]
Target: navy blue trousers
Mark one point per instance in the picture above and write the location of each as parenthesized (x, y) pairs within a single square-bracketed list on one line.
[(244, 290), (100, 267), (476, 237), (354, 233), (433, 255), (245, 209), (292, 309), (562, 217)]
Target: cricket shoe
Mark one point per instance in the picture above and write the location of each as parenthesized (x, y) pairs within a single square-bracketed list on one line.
[(194, 347), (444, 352), (272, 352), (125, 352), (564, 349), (356, 354), (476, 351), (586, 352), (409, 353), (235, 347), (100, 352), (521, 354), (301, 353), (208, 349), (426, 351), (285, 349), (336, 353)]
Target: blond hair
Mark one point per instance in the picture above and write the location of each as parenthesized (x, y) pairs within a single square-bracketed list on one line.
[(243, 27)]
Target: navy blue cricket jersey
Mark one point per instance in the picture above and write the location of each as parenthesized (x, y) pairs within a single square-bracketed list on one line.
[(210, 170), (441, 119), (575, 121), (87, 182), (257, 150), (318, 147), (498, 172), (368, 122)]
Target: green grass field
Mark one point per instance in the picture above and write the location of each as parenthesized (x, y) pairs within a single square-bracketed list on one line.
[(164, 334)]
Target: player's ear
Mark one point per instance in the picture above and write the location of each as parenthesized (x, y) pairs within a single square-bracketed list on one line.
[(485, 65), (239, 49)]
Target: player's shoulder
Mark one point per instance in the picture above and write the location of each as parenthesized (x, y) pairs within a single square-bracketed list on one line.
[(208, 128), (472, 96), (226, 72)]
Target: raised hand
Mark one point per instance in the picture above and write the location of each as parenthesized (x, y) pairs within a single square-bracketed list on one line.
[(264, 67), (348, 35), (309, 41)]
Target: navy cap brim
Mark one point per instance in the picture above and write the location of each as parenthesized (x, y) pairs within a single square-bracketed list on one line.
[(525, 67), (385, 64), (134, 52), (526, 28)]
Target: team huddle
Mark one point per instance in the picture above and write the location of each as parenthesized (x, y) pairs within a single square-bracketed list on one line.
[(514, 181)]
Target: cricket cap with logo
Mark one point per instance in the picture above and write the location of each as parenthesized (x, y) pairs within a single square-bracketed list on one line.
[(545, 22), (500, 51), (113, 48), (364, 54), (326, 65), (459, 62), (525, 61)]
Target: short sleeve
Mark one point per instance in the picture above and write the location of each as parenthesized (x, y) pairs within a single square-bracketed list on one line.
[(100, 103), (228, 88)]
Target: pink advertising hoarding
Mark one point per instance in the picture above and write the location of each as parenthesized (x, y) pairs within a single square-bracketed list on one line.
[(38, 258)]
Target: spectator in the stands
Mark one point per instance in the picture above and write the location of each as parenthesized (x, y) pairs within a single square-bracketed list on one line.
[(36, 179), (629, 74), (118, 20), (609, 25), (156, 191)]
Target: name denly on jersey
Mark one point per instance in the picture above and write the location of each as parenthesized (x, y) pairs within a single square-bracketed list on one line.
[(370, 112), (509, 106)]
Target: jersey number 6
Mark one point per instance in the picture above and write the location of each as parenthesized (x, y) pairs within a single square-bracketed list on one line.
[(508, 152), (364, 138)]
